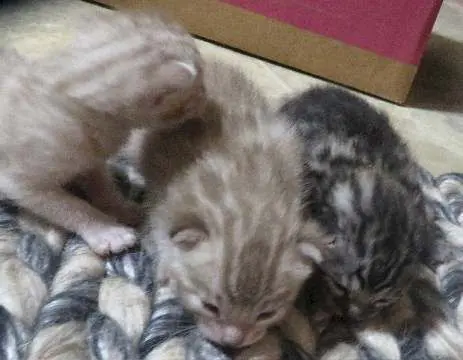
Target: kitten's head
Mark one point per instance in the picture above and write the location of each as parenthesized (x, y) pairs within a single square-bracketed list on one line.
[(226, 234), (142, 65), (171, 93), (236, 292), (166, 79), (381, 232), (183, 95)]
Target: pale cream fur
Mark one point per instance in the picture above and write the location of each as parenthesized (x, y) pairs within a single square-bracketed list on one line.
[(127, 304), (224, 212), (62, 117), (21, 289)]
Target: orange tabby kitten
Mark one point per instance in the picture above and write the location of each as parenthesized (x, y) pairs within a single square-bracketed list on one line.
[(62, 117), (224, 218)]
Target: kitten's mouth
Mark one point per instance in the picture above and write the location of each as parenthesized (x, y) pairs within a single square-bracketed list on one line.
[(229, 351), (228, 338), (357, 317)]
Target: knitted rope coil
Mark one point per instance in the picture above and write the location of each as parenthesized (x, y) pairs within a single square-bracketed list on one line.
[(58, 300)]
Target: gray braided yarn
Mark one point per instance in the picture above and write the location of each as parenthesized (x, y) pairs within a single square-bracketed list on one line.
[(58, 300)]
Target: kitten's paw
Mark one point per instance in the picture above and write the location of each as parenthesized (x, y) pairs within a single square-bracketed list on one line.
[(110, 239)]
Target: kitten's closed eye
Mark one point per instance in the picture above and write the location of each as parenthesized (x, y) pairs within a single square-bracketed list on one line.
[(386, 298), (333, 241), (188, 238), (212, 309), (383, 302), (266, 315)]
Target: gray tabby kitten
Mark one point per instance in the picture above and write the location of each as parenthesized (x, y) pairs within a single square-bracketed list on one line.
[(225, 211), (63, 116), (363, 191)]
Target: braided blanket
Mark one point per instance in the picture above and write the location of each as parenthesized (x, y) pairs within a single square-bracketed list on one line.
[(58, 300)]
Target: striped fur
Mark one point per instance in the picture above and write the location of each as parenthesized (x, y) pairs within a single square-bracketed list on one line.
[(63, 116), (226, 211), (140, 65), (364, 191)]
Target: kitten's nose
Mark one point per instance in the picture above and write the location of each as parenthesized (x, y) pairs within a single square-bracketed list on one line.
[(354, 311), (229, 351), (232, 336)]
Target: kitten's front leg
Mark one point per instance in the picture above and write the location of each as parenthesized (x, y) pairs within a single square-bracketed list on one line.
[(297, 328), (104, 194), (101, 232)]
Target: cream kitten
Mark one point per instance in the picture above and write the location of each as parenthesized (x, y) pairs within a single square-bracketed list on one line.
[(225, 211), (62, 117)]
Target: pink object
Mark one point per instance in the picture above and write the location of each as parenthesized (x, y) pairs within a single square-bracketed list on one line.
[(397, 29)]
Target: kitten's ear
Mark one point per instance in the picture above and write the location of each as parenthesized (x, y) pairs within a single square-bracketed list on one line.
[(313, 242), (309, 251), (175, 75), (187, 239)]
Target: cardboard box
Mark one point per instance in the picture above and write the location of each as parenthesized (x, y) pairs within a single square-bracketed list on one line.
[(373, 46)]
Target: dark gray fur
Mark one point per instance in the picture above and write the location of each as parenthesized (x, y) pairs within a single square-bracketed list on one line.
[(291, 351), (376, 246)]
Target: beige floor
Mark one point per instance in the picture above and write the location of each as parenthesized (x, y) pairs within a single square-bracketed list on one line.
[(432, 122)]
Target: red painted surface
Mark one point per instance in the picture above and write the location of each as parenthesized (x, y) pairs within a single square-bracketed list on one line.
[(398, 29)]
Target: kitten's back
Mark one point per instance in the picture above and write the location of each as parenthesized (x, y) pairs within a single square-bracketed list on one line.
[(341, 128), (128, 63), (343, 136), (333, 110), (112, 45), (238, 120)]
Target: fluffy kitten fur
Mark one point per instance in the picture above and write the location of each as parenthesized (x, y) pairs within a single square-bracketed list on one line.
[(365, 195), (225, 216), (61, 118)]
